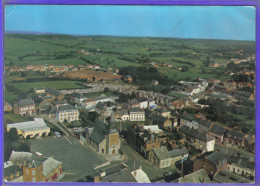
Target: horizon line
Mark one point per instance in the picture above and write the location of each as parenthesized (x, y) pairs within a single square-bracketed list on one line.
[(77, 35)]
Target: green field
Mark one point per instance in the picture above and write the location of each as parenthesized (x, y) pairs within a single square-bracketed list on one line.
[(24, 87), (22, 49)]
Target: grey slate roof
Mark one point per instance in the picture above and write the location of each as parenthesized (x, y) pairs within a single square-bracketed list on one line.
[(235, 134), (134, 101), (66, 107), (137, 109), (203, 122), (12, 170), (24, 102), (161, 153), (217, 157), (216, 129), (225, 176), (178, 152), (52, 91), (199, 176), (196, 134), (121, 176), (244, 163), (188, 117), (100, 131)]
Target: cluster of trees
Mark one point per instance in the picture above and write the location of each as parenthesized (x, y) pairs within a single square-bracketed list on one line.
[(144, 75), (12, 142), (86, 118), (219, 111)]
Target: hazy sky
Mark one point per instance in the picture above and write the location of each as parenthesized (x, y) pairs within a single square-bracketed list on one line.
[(225, 22)]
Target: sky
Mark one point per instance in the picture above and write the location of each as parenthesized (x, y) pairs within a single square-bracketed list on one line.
[(207, 22)]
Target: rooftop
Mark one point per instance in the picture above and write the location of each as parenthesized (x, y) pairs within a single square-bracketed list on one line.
[(225, 176), (136, 109), (216, 129), (199, 176), (37, 124), (161, 153)]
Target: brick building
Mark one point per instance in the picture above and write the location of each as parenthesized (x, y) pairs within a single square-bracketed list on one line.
[(24, 107), (54, 94)]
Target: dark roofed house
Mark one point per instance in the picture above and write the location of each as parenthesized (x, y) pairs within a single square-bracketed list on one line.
[(243, 167), (203, 125), (68, 113), (179, 154), (163, 122), (234, 138), (54, 94), (13, 173), (24, 107), (217, 132), (201, 141), (160, 157), (225, 176), (135, 103), (212, 162)]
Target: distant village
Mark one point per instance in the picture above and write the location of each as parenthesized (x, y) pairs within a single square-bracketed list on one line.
[(183, 147)]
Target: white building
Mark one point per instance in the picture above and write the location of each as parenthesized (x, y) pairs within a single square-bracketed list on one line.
[(137, 114), (68, 113), (143, 103)]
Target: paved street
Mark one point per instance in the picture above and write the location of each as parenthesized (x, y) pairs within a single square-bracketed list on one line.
[(77, 160), (135, 160)]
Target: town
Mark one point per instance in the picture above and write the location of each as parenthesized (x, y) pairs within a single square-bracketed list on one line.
[(91, 123)]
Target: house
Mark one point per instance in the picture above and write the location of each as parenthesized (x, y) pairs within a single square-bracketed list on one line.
[(7, 107), (103, 138), (67, 113), (179, 155), (160, 157), (202, 141), (60, 103), (143, 103), (199, 176), (77, 98), (47, 108), (24, 107), (12, 172), (137, 114), (89, 102), (189, 120), (203, 125), (54, 94), (119, 173), (37, 168), (234, 138), (217, 132), (121, 115), (39, 90), (211, 162), (242, 167), (135, 103), (225, 176), (29, 129), (142, 140), (164, 112), (163, 122)]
